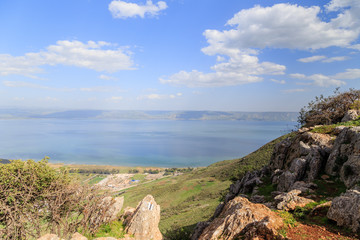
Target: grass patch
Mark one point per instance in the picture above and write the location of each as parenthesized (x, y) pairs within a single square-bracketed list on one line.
[(328, 129), (140, 177), (266, 188), (332, 187), (114, 229), (96, 179)]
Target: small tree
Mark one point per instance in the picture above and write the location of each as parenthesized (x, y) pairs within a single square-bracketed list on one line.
[(329, 110)]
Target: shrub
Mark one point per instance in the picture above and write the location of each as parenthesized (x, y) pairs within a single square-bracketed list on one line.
[(329, 110), (35, 198)]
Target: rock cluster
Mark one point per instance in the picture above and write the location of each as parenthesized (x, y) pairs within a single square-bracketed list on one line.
[(240, 217)]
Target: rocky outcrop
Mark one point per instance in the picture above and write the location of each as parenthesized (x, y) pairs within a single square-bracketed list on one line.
[(143, 224), (238, 217), (350, 115), (291, 200), (345, 210), (345, 156), (114, 209)]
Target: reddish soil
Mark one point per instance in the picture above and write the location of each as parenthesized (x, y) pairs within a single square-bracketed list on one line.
[(302, 232)]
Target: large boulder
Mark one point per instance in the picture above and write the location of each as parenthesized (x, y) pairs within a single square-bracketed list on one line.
[(345, 210), (237, 215), (344, 159), (291, 200), (114, 209), (143, 224)]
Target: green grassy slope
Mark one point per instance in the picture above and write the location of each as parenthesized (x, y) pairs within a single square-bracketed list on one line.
[(193, 197)]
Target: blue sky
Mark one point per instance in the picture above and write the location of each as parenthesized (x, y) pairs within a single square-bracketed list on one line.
[(176, 54)]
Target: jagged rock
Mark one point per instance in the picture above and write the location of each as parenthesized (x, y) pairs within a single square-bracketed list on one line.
[(115, 206), (345, 210), (200, 226), (218, 210), (324, 207), (78, 236), (291, 200), (285, 181), (236, 215), (304, 187), (128, 212), (49, 237), (144, 222), (260, 230), (316, 163), (279, 155), (257, 199), (298, 167), (350, 115), (344, 157)]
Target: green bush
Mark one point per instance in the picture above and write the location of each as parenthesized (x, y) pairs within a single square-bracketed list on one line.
[(329, 110), (35, 199)]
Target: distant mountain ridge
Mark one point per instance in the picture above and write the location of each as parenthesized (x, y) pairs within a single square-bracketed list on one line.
[(133, 114)]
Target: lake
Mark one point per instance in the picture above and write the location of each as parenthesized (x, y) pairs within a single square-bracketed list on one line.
[(159, 143)]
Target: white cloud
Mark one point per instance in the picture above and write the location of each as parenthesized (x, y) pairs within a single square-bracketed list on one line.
[(122, 9), (351, 73), (299, 28), (97, 56), (239, 69), (319, 80), (323, 59), (107, 77), (278, 81), (335, 59), (311, 59)]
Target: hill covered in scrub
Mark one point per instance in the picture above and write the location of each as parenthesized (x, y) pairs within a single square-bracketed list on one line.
[(303, 185)]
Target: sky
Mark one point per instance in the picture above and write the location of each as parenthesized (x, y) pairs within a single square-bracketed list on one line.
[(223, 55)]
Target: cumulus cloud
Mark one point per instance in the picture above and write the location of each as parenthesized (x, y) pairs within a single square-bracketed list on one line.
[(98, 56), (299, 28), (280, 26), (107, 77), (240, 69), (335, 59), (122, 9)]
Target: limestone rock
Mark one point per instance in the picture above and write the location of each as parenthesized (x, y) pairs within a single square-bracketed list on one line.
[(105, 238), (345, 210), (200, 226), (304, 187), (78, 236), (144, 222), (236, 215), (291, 200), (344, 157), (260, 230), (350, 115), (286, 180), (257, 199), (114, 209), (49, 237)]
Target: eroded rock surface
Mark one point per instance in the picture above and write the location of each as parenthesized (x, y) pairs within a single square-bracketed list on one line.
[(237, 215), (345, 210), (291, 200), (143, 224)]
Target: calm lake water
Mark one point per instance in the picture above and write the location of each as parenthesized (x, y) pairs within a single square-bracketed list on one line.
[(162, 143)]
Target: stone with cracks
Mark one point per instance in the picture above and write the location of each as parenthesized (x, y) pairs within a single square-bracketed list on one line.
[(345, 210), (236, 216), (144, 222), (78, 236), (291, 200)]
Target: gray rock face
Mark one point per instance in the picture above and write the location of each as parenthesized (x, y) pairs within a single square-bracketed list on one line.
[(200, 226), (291, 200), (144, 222), (345, 210), (236, 216), (345, 157), (350, 115), (304, 187)]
